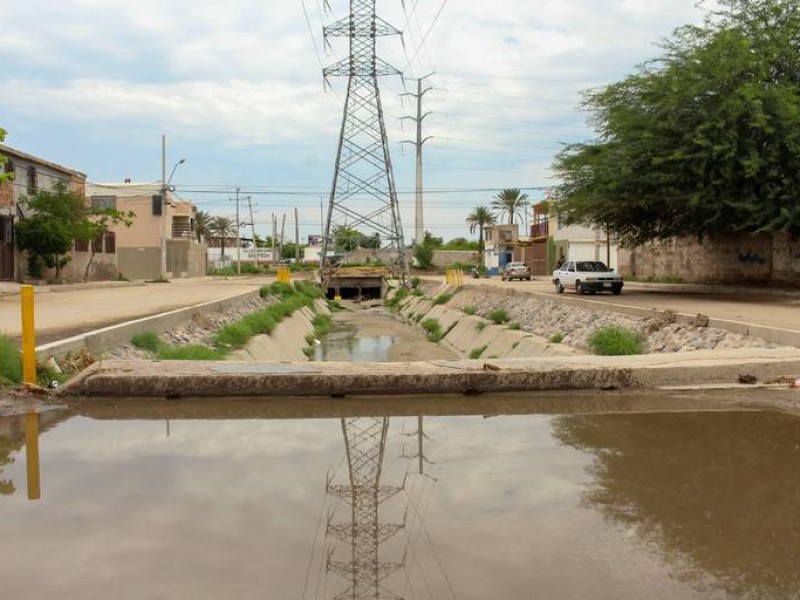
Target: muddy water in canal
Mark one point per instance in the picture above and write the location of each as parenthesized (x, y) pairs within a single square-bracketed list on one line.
[(556, 497)]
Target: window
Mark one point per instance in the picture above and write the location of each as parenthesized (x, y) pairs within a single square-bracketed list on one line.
[(8, 167), (157, 206), (33, 181), (507, 236), (97, 244), (103, 202), (488, 235), (111, 242), (81, 246)]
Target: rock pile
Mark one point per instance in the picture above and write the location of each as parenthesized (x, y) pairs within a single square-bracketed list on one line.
[(547, 318)]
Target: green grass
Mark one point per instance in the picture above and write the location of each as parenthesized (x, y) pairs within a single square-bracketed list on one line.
[(415, 281), (434, 330), (497, 316), (418, 317), (261, 322), (476, 352), (334, 306), (514, 326), (480, 326), (322, 325), (556, 338), (235, 335), (393, 303), (442, 299), (614, 340), (418, 293), (470, 309), (10, 360), (147, 340)]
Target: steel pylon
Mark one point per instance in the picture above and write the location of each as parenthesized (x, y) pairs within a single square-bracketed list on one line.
[(365, 440), (363, 195)]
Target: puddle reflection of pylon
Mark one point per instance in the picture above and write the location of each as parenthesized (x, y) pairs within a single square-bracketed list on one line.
[(365, 441)]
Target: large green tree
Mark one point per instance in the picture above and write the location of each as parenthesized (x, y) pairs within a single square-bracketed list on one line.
[(511, 203), (55, 218), (704, 140), (480, 218), (3, 159)]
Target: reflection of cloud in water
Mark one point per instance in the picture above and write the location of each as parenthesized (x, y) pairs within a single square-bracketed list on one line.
[(717, 493)]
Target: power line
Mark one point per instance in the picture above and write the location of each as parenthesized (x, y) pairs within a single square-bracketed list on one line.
[(427, 33)]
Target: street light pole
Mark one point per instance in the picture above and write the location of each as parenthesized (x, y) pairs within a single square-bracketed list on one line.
[(164, 189)]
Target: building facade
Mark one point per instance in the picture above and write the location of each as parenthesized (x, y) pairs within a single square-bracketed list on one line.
[(160, 225), (30, 175)]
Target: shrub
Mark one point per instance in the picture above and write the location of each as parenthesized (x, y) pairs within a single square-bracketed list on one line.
[(393, 303), (614, 340), (442, 299), (476, 352), (470, 310), (334, 306), (418, 293), (513, 326), (261, 322), (480, 326), (277, 289), (308, 288), (434, 329), (497, 316), (147, 340), (556, 338), (415, 281)]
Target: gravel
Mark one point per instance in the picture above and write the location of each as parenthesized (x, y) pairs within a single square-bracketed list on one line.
[(546, 318)]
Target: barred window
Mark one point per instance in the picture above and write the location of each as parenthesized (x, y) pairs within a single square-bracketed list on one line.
[(102, 202), (81, 246), (111, 242)]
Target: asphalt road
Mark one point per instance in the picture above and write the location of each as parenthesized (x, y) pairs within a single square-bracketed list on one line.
[(60, 314), (780, 310), (64, 313)]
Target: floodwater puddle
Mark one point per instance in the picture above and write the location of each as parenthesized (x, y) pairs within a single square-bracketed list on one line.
[(562, 497), (344, 343)]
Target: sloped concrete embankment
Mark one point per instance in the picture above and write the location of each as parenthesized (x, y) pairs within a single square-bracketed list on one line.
[(465, 333), (288, 339)]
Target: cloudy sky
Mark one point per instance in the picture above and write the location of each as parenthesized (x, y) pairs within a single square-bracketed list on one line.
[(237, 89)]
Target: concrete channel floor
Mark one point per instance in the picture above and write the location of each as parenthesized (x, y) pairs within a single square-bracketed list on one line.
[(82, 309)]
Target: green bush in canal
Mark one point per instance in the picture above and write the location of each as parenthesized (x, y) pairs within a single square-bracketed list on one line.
[(476, 352), (261, 322), (434, 329), (393, 303), (480, 326), (470, 309), (498, 316), (514, 326), (614, 340), (147, 340), (235, 335), (322, 325), (556, 338), (442, 299), (10, 360)]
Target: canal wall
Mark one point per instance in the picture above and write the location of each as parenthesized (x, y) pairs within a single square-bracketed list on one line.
[(471, 335), (287, 342)]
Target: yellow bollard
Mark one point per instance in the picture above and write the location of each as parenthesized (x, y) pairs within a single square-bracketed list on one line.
[(28, 336), (32, 455)]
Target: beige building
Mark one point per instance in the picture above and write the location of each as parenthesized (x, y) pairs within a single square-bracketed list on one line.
[(139, 247), (499, 244), (32, 174)]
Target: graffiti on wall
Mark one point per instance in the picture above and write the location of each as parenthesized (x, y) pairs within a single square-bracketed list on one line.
[(752, 258)]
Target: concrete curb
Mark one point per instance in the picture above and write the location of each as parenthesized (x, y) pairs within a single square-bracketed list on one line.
[(175, 379), (101, 339)]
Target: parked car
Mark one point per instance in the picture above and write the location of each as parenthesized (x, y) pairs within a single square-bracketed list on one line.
[(515, 270), (587, 276)]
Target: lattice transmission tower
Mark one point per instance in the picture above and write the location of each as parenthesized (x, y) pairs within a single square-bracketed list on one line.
[(365, 441), (363, 196)]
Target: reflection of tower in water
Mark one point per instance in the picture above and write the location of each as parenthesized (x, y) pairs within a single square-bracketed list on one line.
[(365, 442)]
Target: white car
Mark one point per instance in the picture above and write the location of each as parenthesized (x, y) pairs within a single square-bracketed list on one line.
[(587, 276)]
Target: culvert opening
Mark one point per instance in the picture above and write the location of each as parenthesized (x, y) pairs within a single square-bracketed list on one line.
[(355, 293)]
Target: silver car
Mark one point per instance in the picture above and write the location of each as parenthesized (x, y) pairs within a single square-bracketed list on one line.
[(587, 276)]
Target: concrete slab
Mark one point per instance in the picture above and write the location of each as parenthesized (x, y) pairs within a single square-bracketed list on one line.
[(171, 379)]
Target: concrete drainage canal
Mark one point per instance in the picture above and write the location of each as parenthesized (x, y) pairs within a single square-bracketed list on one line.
[(556, 495)]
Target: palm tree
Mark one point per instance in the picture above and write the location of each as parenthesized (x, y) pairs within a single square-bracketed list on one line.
[(510, 202), (202, 224), (221, 227), (479, 218)]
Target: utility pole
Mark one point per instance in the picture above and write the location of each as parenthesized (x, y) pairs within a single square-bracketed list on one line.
[(283, 230), (253, 229), (419, 226), (296, 237), (363, 193), (274, 236), (238, 237), (163, 267)]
